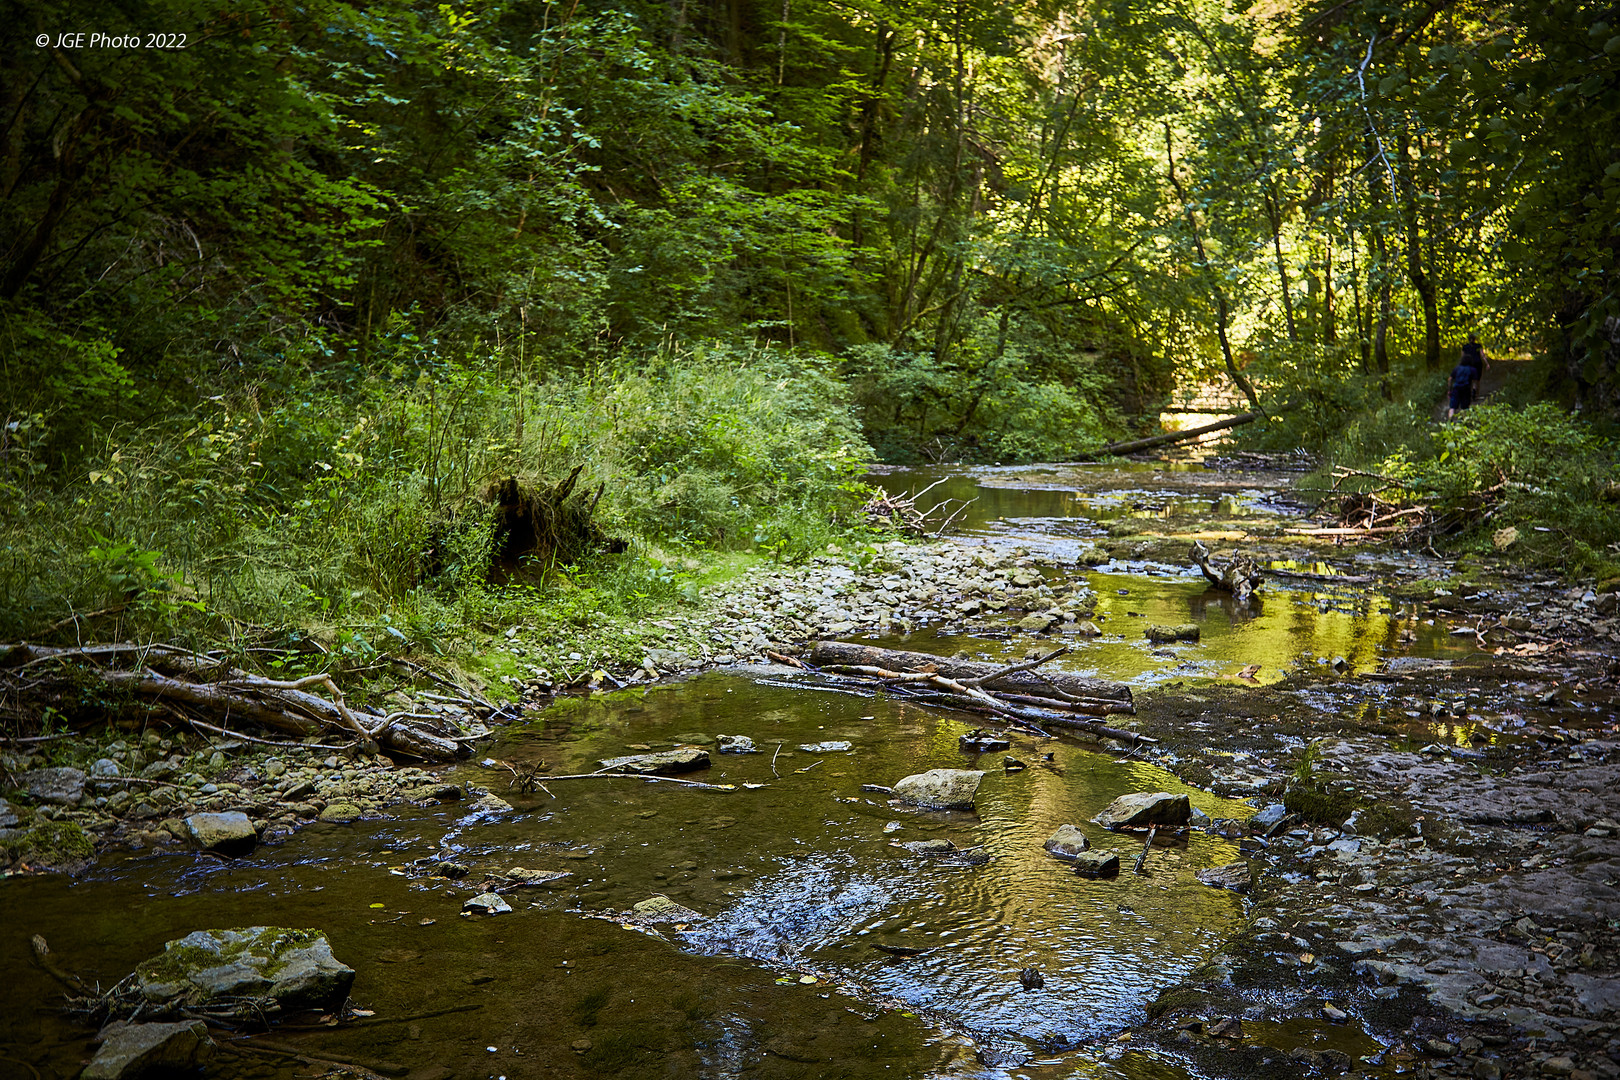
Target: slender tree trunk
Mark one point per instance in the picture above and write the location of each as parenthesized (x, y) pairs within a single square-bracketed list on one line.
[(1274, 217), (1414, 258), (1222, 313)]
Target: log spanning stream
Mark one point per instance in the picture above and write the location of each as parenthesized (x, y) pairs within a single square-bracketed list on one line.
[(828, 949)]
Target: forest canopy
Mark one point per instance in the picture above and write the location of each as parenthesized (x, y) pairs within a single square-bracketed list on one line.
[(401, 242)]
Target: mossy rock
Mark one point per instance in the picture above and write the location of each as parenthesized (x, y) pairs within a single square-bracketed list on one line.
[(52, 845), (250, 967)]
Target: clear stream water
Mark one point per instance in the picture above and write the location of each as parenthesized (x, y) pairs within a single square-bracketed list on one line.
[(801, 875)]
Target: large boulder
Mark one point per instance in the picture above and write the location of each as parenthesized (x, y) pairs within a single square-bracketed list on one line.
[(294, 969), (63, 787), (941, 789), (1067, 842), (230, 833), (1141, 809), (131, 1050)]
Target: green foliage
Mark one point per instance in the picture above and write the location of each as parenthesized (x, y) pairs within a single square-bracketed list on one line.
[(367, 516), (1537, 469)]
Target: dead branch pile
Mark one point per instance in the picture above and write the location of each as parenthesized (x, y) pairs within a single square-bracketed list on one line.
[(1018, 694), (203, 692), (901, 512), (1385, 512)]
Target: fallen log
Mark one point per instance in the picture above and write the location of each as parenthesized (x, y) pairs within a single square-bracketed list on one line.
[(1172, 437), (227, 694), (1102, 694)]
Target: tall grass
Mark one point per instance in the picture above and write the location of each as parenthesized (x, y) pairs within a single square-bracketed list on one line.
[(356, 507)]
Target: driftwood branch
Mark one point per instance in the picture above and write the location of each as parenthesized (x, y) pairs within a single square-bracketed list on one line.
[(1170, 438), (1115, 697), (980, 687)]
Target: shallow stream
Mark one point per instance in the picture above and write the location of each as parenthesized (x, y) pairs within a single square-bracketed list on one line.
[(798, 868)]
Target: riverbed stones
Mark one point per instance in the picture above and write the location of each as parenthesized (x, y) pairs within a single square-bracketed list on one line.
[(940, 789), (1096, 863), (1142, 809), (832, 746), (488, 903), (1067, 842), (684, 759), (294, 969), (736, 744), (230, 833), (56, 787), (519, 876), (128, 1051)]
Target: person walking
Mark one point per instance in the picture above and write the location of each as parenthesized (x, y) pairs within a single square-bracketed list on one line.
[(1473, 354), (1466, 376)]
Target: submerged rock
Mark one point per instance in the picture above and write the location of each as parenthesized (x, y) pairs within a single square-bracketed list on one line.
[(61, 787), (1160, 635), (736, 744), (664, 763), (294, 969), (1096, 863), (663, 909), (132, 1050), (520, 876), (979, 741), (941, 789), (1235, 876), (834, 746), (489, 804), (1067, 842), (1141, 809), (928, 847), (488, 903), (49, 845), (229, 833)]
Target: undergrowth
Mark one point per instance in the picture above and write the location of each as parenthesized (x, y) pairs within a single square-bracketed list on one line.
[(351, 506), (1533, 481)]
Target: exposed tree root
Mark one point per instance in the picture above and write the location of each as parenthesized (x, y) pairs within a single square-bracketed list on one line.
[(1240, 576)]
